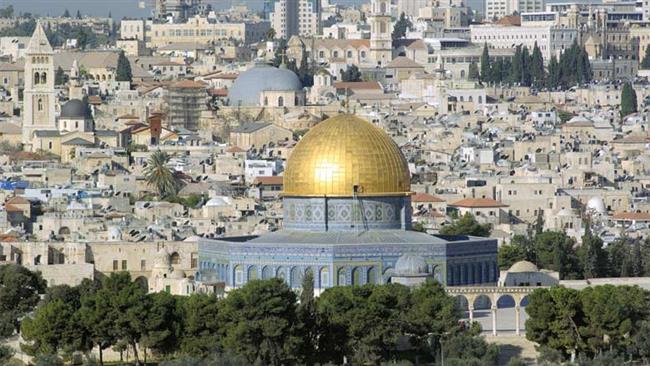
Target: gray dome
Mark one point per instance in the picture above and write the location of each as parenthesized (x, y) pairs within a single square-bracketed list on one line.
[(411, 265), (262, 77), (75, 109)]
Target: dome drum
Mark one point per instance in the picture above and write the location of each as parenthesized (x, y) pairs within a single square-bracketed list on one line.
[(347, 214)]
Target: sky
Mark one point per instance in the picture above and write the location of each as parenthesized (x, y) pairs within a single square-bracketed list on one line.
[(118, 8)]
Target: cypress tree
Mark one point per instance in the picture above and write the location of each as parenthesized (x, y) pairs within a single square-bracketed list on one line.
[(123, 72), (537, 67), (472, 72), (628, 100), (485, 64), (645, 64), (517, 67), (525, 67), (553, 80)]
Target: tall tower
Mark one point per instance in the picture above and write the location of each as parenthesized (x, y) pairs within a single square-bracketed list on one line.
[(38, 97), (381, 28)]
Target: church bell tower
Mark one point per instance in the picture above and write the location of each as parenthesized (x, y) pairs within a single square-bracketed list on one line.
[(381, 28), (38, 96)]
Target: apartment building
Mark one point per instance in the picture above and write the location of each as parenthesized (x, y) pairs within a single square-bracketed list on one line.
[(296, 17), (495, 9), (551, 40)]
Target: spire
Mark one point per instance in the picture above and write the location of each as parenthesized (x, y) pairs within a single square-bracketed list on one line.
[(39, 44)]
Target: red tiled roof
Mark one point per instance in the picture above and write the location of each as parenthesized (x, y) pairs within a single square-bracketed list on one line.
[(478, 203), (425, 197), (632, 216)]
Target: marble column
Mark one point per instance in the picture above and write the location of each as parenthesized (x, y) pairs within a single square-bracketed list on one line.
[(494, 320), (470, 309), (517, 319)]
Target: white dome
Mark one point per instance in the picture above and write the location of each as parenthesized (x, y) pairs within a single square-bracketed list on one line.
[(523, 266), (411, 265), (114, 233), (596, 204), (217, 201)]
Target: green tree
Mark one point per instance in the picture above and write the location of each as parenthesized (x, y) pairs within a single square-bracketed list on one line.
[(128, 302), (53, 329), (592, 256), (400, 28), (472, 72), (160, 176), (352, 74), (432, 314), (7, 12), (517, 69), (260, 323), (200, 319), (553, 79), (467, 225), (98, 316), (123, 71), (510, 254), (554, 318), (6, 353), (526, 76), (162, 325), (554, 251), (642, 341), (66, 13), (308, 319), (78, 16), (612, 315), (537, 67), (485, 65), (645, 64), (270, 35), (19, 294), (60, 78), (466, 348), (628, 100)]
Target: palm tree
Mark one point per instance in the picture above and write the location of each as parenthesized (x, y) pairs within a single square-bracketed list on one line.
[(159, 175)]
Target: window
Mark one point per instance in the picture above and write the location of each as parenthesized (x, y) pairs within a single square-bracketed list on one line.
[(124, 265), (115, 265), (40, 105), (44, 78), (280, 102), (37, 78), (143, 265)]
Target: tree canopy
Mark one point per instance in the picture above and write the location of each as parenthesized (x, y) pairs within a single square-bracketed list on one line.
[(467, 225), (123, 72), (628, 100), (402, 26)]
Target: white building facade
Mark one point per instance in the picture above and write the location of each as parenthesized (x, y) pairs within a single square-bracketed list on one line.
[(551, 40)]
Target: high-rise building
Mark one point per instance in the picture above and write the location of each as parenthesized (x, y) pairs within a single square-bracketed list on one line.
[(495, 9), (295, 17), (381, 29), (177, 9), (38, 97)]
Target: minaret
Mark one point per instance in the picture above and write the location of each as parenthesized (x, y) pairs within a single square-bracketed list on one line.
[(38, 97), (381, 29)]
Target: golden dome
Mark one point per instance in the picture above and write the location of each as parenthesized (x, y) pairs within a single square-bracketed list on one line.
[(342, 152)]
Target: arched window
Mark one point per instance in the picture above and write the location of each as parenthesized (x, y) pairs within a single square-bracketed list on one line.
[(252, 273), (39, 104), (266, 273), (324, 277), (321, 54), (76, 124), (471, 99), (239, 275), (383, 8), (480, 99), (341, 277), (266, 101), (296, 277), (336, 54), (44, 78), (37, 78), (363, 54), (49, 145), (280, 102), (349, 54), (175, 257), (372, 275), (356, 277), (382, 27), (462, 74)]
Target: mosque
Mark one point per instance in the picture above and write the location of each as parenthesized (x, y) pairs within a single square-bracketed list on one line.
[(347, 220)]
